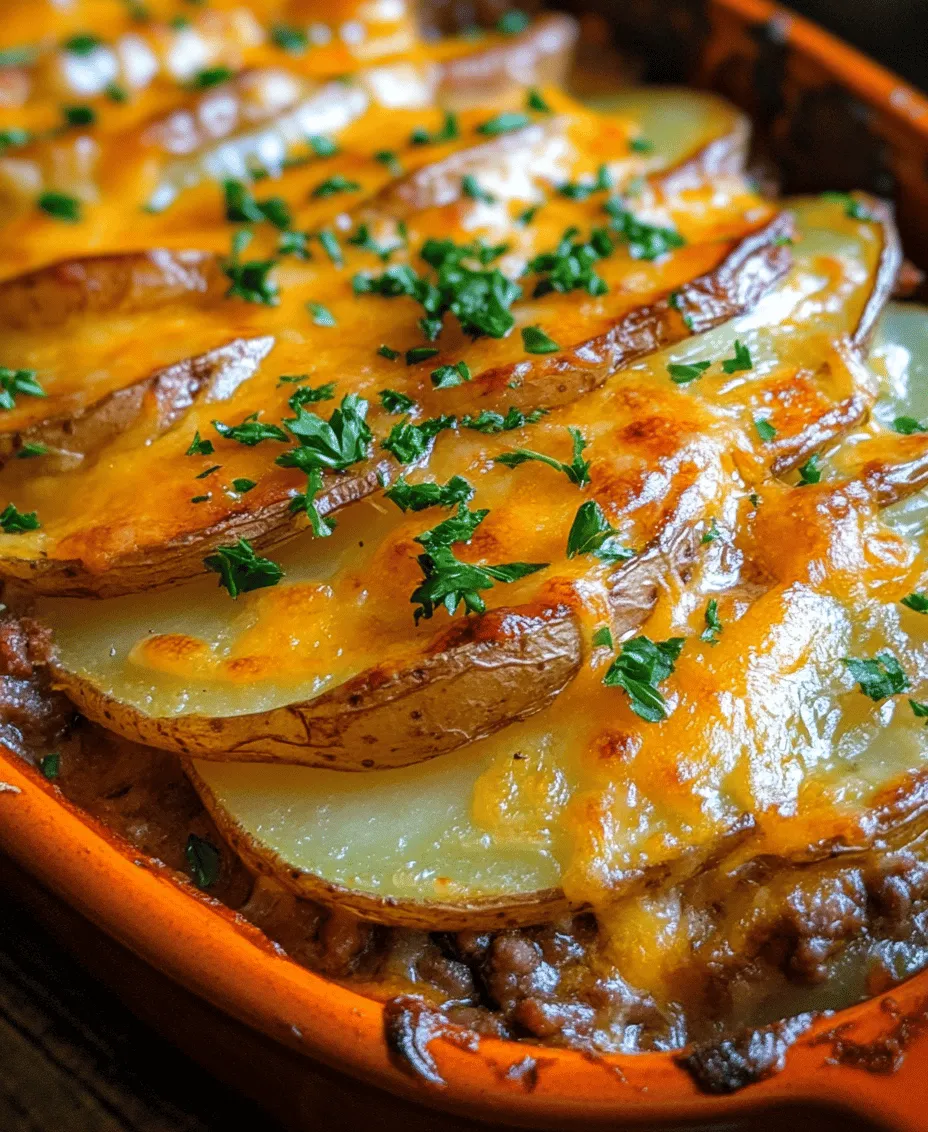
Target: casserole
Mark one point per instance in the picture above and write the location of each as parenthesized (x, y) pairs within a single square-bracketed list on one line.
[(732, 21)]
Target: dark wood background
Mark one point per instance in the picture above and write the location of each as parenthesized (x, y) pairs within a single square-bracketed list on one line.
[(72, 1056)]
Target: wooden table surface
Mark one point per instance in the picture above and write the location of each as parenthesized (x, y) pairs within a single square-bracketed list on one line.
[(74, 1059)]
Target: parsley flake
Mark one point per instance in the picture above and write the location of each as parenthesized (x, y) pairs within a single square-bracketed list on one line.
[(685, 372), (210, 77), (920, 711), (741, 360), (61, 206), (322, 316), (394, 402), (645, 241), (536, 341), (535, 101), (449, 131), (16, 522), (470, 187), (79, 115), (602, 638), (199, 446), (250, 432), (322, 146), (290, 39), (712, 534), (388, 353), (917, 602), (489, 422), (420, 496), (82, 45), (880, 677), (50, 766), (243, 485), (446, 377), (242, 208), (811, 471), (577, 471), (713, 625), (409, 442), (334, 185), (642, 665), (241, 569), (907, 426), (250, 280), (18, 381), (503, 124), (765, 430), (420, 354), (590, 533), (204, 860)]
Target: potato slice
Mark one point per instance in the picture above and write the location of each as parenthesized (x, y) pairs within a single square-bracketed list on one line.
[(587, 805), (330, 669), (476, 842), (151, 526)]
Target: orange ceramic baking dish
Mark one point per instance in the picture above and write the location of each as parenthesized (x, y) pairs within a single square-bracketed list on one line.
[(827, 118)]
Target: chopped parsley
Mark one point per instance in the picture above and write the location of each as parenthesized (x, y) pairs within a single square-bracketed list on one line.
[(641, 666), (409, 442), (570, 266), (17, 381), (79, 115), (449, 582), (242, 208), (388, 353), (765, 429), (17, 56), (590, 533), (741, 360), (250, 432), (344, 439), (446, 377), (208, 471), (307, 395), (528, 215), (291, 39), (242, 486), (13, 138), (645, 241), (322, 316), (388, 158), (199, 446), (714, 626), (82, 44), (907, 426), (536, 341), (503, 123), (479, 296), (210, 77), (241, 569), (305, 501), (420, 496), (116, 93), (30, 450), (362, 238), (685, 372), (61, 206), (712, 534), (449, 131), (419, 354), (917, 602), (15, 522), (811, 471), (331, 247), (580, 190), (334, 185), (641, 145), (602, 638), (201, 498), (294, 243), (50, 765), (250, 280), (394, 402), (880, 677), (920, 711), (489, 422), (577, 471), (470, 187), (535, 101), (853, 209), (322, 146), (204, 860), (513, 22)]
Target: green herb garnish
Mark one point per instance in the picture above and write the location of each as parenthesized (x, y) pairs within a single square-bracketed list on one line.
[(714, 626), (61, 206), (420, 496), (446, 377), (811, 471), (322, 316), (685, 372), (917, 602), (642, 665), (536, 341), (204, 859), (741, 360), (14, 382), (765, 430), (503, 124), (590, 533), (241, 569), (577, 471), (250, 432), (250, 280), (880, 677), (199, 446), (15, 522), (409, 442)]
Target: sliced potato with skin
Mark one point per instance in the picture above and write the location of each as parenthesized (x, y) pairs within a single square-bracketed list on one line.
[(666, 461), (557, 813), (420, 847), (106, 291), (147, 530)]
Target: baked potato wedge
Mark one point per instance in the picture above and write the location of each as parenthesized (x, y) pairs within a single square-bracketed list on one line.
[(362, 686), (150, 528)]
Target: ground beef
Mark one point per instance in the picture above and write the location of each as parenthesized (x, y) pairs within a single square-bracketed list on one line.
[(762, 927), (33, 719)]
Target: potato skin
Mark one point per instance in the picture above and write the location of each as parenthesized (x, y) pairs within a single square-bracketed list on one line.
[(479, 914), (473, 679)]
